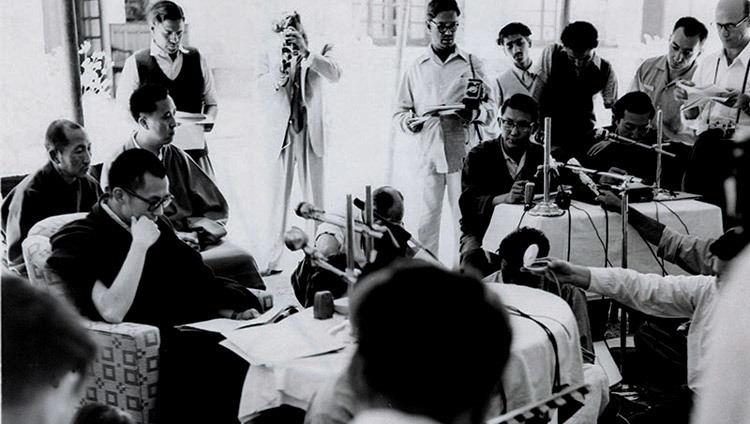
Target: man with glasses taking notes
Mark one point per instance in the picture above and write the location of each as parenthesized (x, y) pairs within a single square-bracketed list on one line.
[(716, 121), (197, 209), (444, 137), (496, 172)]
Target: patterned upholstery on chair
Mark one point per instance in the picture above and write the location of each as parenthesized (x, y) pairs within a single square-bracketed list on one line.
[(126, 373)]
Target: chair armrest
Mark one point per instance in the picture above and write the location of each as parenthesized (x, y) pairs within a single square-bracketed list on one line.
[(126, 370)]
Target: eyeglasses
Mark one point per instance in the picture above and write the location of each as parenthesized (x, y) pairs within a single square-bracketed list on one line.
[(444, 27), (152, 204), (731, 26), (520, 125)]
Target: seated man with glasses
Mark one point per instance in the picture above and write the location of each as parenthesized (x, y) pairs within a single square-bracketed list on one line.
[(631, 118), (197, 209), (495, 172), (124, 262)]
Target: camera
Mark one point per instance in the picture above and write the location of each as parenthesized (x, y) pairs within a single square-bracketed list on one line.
[(288, 50), (474, 94)]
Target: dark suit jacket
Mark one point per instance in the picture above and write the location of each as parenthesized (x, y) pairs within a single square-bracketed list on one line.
[(485, 175)]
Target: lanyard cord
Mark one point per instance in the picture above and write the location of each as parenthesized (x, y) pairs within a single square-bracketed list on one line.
[(744, 85)]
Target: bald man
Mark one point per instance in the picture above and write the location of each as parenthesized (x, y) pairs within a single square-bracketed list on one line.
[(715, 122)]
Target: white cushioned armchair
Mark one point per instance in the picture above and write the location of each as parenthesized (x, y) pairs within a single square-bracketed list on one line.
[(126, 371)]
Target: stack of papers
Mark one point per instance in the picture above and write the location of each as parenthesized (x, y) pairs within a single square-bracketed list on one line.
[(225, 325), (297, 336)]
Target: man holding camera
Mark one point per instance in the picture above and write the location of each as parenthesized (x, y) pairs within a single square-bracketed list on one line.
[(289, 81), (443, 75)]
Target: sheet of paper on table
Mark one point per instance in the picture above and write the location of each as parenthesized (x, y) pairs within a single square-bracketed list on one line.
[(297, 336), (225, 325)]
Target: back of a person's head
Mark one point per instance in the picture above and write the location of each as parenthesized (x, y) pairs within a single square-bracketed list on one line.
[(128, 170), (513, 28), (144, 99), (161, 11), (435, 7), (97, 413), (430, 342), (523, 103), (580, 36), (692, 27), (58, 133), (636, 102), (512, 250), (42, 342), (389, 203)]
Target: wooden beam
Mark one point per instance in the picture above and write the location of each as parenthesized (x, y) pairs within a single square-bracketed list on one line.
[(70, 55)]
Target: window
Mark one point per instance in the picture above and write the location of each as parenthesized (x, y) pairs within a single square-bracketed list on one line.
[(543, 18), (380, 18), (89, 23)]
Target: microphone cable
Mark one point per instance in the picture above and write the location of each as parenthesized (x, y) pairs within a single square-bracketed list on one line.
[(596, 231), (661, 202)]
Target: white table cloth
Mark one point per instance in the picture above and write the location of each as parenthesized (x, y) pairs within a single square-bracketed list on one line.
[(528, 376), (701, 219)]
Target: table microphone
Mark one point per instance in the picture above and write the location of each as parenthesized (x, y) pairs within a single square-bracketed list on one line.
[(528, 195)]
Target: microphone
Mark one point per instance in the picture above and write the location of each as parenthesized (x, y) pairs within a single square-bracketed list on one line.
[(296, 239), (528, 195), (572, 164), (309, 211), (602, 134)]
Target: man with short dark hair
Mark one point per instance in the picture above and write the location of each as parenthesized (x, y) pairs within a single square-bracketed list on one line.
[(657, 76), (46, 354), (61, 186), (515, 40), (386, 385), (184, 71), (198, 204), (632, 115), (495, 172), (444, 138), (569, 75)]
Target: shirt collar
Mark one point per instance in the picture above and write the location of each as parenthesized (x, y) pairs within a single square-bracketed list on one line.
[(157, 51), (112, 214), (138, 146), (430, 54), (743, 57)]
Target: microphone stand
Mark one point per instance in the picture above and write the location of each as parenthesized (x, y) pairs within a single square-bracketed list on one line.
[(349, 241), (546, 208), (624, 264), (369, 220)]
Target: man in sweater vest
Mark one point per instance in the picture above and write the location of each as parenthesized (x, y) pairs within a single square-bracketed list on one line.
[(569, 75), (181, 70)]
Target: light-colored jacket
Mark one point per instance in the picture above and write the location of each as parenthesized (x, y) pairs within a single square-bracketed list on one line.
[(274, 104)]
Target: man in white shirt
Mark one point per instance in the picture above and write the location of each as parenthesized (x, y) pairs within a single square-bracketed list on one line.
[(674, 296), (444, 138), (181, 70), (716, 121)]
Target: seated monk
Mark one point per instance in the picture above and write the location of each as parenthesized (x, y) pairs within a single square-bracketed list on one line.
[(63, 185), (124, 262), (199, 211)]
